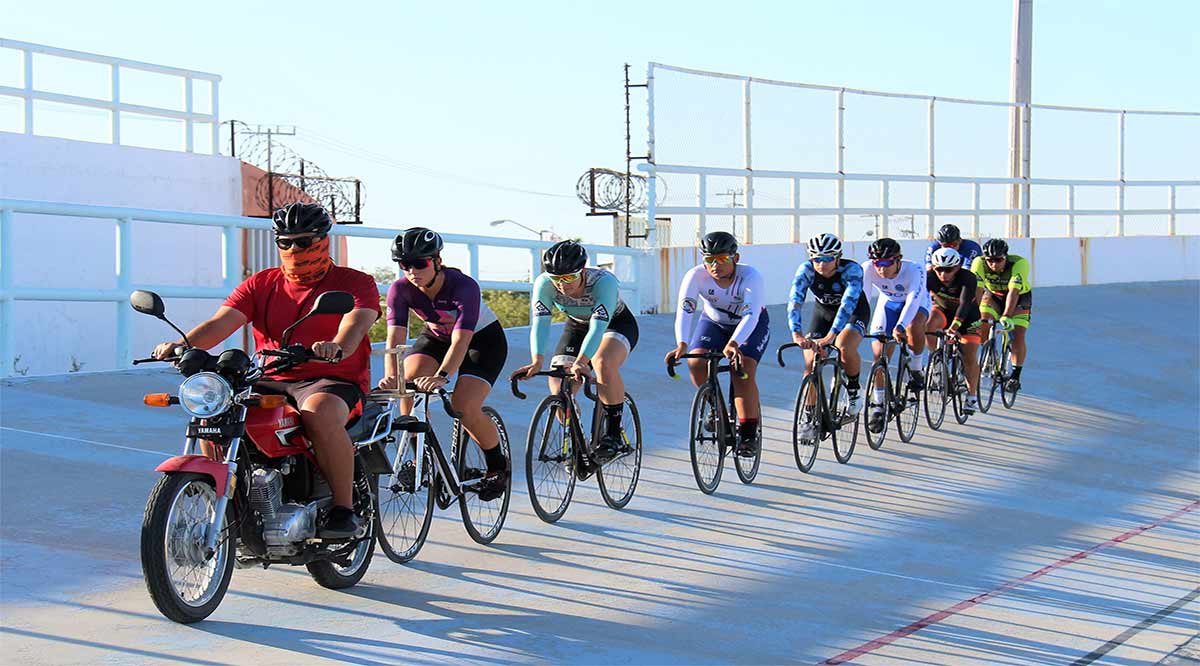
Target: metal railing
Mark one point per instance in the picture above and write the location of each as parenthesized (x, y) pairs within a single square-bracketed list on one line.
[(114, 105), (231, 263), (1019, 194)]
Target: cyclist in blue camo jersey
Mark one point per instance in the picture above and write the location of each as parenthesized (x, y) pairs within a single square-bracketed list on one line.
[(600, 331), (950, 236)]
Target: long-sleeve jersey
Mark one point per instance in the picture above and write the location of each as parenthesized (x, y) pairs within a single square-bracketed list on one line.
[(956, 299), (841, 290), (738, 306), (908, 287), (969, 249), (598, 304)]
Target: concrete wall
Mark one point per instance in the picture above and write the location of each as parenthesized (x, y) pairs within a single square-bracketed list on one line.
[(62, 252)]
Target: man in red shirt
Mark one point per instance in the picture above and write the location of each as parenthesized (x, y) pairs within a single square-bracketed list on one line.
[(325, 393)]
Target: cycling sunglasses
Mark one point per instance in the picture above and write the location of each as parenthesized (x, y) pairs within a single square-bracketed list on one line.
[(823, 260), (718, 259), (302, 243), (420, 263), (994, 260), (884, 263), (568, 278), (944, 269)]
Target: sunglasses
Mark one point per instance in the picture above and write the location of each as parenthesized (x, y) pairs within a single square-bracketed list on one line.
[(994, 260), (415, 264), (823, 260), (718, 259), (569, 277), (884, 263), (302, 243), (945, 269)]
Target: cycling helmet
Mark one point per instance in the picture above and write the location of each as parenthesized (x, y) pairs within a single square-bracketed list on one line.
[(301, 218), (884, 248), (824, 245), (949, 234), (995, 247), (564, 257), (946, 257), (416, 243), (718, 242)]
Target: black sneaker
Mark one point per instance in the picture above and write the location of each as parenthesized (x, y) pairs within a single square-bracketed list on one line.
[(340, 523), (916, 381), (747, 447), (875, 421), (493, 485), (607, 448), (1012, 385)]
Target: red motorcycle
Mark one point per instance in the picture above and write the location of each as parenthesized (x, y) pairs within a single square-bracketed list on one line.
[(247, 489)]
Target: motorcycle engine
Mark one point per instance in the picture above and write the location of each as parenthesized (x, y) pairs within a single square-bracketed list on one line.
[(286, 525)]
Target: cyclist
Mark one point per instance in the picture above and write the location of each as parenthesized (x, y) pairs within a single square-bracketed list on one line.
[(327, 395), (949, 236), (1006, 294), (956, 311), (461, 335), (728, 297), (841, 312), (600, 333), (901, 310)]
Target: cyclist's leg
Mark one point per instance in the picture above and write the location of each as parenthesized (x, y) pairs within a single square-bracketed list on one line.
[(1020, 321), (607, 363), (970, 357), (746, 390), (847, 343), (707, 337), (818, 327), (566, 351)]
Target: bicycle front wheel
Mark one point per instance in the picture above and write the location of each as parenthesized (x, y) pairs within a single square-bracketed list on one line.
[(483, 519), (747, 466), (405, 502), (959, 390), (1009, 398), (908, 409), (806, 424), (881, 407), (619, 476), (988, 380), (707, 440), (550, 460), (936, 390)]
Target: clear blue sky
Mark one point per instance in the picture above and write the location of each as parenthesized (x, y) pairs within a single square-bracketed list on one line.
[(528, 94)]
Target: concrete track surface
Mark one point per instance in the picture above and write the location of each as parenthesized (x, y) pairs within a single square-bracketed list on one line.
[(1063, 531)]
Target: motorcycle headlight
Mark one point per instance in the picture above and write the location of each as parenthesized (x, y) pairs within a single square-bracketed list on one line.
[(205, 394)]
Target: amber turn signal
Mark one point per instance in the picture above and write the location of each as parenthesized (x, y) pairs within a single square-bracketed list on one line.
[(272, 401), (157, 399)]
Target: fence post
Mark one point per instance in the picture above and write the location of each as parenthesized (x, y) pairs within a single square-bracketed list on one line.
[(1121, 174), (748, 232), (702, 219), (535, 265), (473, 261), (231, 274), (124, 280), (189, 106), (116, 103), (975, 204), (216, 122), (840, 162), (27, 61), (883, 203), (929, 192), (1171, 214), (796, 210), (1070, 211), (7, 329)]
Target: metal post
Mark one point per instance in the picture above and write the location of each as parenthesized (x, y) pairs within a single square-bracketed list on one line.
[(1171, 215), (651, 188), (748, 232), (702, 219), (1121, 174), (473, 261), (116, 103), (271, 179), (216, 122), (357, 200), (929, 189), (1071, 211), (1020, 92), (884, 204), (535, 265), (124, 280), (796, 210), (7, 325), (232, 255), (975, 217), (840, 161), (28, 62), (189, 106)]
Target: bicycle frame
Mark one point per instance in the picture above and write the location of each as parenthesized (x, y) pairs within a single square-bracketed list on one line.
[(580, 445), (827, 355), (714, 370)]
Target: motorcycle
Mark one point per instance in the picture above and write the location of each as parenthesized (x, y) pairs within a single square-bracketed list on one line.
[(247, 489)]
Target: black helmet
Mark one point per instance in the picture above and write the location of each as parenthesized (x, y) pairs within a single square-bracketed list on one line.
[(301, 218), (995, 247), (718, 242), (416, 243), (949, 234), (564, 257), (884, 248)]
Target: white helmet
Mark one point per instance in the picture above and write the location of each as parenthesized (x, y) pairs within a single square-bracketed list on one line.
[(824, 245), (946, 257)]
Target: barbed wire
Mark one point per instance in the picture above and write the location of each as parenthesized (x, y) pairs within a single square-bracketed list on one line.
[(610, 188)]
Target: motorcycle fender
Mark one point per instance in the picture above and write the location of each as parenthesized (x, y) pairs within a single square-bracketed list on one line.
[(219, 471)]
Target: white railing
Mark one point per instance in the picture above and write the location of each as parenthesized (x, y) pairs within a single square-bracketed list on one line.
[(114, 104), (231, 263), (1019, 210)]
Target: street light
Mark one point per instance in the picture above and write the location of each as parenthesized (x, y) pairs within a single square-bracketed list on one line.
[(496, 223)]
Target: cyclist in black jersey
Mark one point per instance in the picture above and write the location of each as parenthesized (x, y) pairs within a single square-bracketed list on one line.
[(956, 310)]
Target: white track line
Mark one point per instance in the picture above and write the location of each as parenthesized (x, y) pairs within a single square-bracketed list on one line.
[(160, 454)]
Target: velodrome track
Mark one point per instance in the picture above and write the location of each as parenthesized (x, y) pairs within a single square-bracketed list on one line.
[(1065, 531)]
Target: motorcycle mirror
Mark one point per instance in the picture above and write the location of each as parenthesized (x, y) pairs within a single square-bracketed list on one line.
[(147, 302), (333, 302)]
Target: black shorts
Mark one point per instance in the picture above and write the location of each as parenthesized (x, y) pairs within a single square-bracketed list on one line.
[(823, 316), (622, 327), (299, 391), (485, 357)]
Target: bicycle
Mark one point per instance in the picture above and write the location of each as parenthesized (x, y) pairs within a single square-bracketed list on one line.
[(421, 475), (829, 409), (714, 428), (557, 453), (895, 406), (995, 368), (945, 376)]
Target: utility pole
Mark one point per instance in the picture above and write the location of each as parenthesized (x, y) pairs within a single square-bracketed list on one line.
[(1018, 124), (733, 202)]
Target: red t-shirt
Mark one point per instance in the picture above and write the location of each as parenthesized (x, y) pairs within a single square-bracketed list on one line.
[(272, 303)]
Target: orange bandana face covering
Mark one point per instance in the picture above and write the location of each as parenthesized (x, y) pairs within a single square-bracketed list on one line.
[(307, 266)]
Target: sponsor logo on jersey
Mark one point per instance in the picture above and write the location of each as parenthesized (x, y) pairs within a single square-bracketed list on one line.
[(745, 310), (711, 292), (600, 312), (899, 287), (837, 286), (540, 309), (689, 305)]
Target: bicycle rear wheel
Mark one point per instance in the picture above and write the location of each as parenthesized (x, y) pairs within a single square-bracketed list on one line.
[(405, 503), (550, 460), (747, 466), (909, 411), (707, 440), (1009, 398), (988, 382), (619, 476), (807, 417), (936, 389), (483, 520), (881, 405), (839, 409), (959, 390)]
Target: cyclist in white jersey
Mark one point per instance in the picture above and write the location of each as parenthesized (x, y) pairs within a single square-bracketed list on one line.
[(729, 300), (901, 310)]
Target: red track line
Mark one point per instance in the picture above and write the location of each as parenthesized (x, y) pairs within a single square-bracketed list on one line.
[(871, 646)]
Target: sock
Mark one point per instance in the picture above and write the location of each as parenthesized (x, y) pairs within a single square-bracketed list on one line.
[(1016, 372), (747, 428), (613, 414), (495, 459), (852, 384), (917, 361)]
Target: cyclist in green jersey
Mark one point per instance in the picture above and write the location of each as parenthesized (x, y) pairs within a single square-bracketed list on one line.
[(1006, 294)]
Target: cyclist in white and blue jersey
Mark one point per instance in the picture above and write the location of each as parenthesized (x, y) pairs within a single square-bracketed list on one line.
[(950, 236)]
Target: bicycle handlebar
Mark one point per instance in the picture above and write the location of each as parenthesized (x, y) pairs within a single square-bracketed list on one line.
[(828, 349), (709, 356), (554, 373), (439, 392)]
